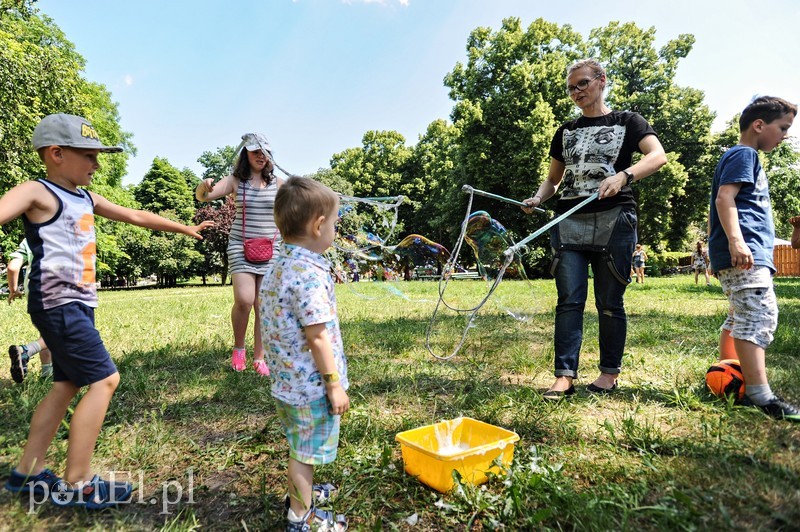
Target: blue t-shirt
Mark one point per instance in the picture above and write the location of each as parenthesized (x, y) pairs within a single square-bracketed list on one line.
[(740, 164)]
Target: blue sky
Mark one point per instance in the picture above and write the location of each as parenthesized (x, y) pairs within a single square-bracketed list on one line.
[(315, 75)]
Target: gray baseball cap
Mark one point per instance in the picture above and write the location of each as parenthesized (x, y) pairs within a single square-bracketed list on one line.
[(70, 131), (256, 141)]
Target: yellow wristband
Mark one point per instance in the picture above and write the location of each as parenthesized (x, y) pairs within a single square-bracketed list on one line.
[(330, 377)]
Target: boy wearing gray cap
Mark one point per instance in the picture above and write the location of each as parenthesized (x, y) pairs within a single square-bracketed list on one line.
[(58, 217)]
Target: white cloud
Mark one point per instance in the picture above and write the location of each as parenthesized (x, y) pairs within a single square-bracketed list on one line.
[(128, 79)]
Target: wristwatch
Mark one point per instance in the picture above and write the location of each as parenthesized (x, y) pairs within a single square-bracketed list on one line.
[(630, 177)]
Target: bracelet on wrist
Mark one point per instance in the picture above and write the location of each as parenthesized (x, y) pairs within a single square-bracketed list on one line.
[(329, 378)]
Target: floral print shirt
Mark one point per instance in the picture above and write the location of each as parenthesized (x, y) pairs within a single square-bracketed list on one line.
[(298, 292)]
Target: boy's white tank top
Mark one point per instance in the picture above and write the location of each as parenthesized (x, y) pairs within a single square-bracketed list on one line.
[(64, 252)]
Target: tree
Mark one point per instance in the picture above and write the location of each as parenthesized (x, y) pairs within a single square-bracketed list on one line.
[(376, 169), (642, 80), (782, 166), (40, 74), (214, 246), (222, 212), (218, 164), (432, 166), (164, 188), (510, 97)]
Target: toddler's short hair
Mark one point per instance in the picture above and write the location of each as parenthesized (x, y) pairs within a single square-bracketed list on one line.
[(766, 108), (300, 200)]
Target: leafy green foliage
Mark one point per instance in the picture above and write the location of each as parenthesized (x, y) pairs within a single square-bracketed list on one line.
[(376, 169), (42, 73), (214, 245), (164, 188), (782, 166), (165, 191)]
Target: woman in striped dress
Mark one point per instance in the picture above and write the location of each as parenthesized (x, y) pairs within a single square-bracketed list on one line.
[(254, 186)]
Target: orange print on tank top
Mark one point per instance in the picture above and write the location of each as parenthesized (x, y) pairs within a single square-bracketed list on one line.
[(87, 255)]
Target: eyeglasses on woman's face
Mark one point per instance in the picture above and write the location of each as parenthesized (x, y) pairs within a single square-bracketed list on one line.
[(582, 85)]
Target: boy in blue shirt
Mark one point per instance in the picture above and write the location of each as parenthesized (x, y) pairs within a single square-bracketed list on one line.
[(304, 347), (740, 246), (58, 215)]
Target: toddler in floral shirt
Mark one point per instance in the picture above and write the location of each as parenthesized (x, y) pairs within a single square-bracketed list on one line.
[(304, 344)]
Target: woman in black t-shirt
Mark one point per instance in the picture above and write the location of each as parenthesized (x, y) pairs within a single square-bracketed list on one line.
[(593, 154)]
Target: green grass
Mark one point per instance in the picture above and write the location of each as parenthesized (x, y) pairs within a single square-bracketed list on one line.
[(659, 455)]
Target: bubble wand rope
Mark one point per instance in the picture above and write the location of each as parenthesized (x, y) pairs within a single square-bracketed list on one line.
[(379, 203), (509, 256), (445, 279), (469, 189)]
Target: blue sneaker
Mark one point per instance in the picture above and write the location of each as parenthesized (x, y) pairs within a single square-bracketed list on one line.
[(41, 484), (95, 494)]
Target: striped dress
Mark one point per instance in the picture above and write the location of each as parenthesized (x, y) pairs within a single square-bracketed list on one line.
[(260, 223)]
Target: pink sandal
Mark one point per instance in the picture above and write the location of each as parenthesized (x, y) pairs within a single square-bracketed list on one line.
[(238, 359), (261, 367)]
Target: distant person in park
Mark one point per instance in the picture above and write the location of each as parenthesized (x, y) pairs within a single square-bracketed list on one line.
[(58, 216), (305, 350), (594, 154), (740, 246), (20, 355), (254, 186), (639, 259), (700, 262), (795, 221)]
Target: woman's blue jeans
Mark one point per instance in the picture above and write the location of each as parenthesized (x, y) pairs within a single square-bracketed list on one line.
[(572, 281)]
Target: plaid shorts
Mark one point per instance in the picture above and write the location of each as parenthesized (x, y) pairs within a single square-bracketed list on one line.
[(312, 432), (753, 314)]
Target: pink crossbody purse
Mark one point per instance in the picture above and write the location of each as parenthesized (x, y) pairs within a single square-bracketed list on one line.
[(256, 250)]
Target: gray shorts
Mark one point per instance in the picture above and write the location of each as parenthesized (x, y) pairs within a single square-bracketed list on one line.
[(753, 314)]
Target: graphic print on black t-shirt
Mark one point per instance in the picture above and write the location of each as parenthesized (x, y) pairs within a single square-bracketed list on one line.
[(589, 156)]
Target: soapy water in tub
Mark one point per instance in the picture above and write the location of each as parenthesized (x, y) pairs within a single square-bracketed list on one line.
[(445, 432)]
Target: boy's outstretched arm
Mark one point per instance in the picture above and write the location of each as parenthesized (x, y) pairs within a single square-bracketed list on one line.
[(27, 198), (147, 219), (725, 203), (322, 351)]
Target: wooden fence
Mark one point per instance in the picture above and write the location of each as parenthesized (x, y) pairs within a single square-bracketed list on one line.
[(787, 261)]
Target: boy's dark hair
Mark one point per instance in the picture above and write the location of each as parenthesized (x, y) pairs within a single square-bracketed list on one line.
[(241, 169), (300, 200), (766, 108)]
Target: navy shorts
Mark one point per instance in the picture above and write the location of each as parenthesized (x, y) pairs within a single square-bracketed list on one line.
[(79, 355)]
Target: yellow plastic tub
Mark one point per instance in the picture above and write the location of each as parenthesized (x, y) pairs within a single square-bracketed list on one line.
[(467, 445)]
